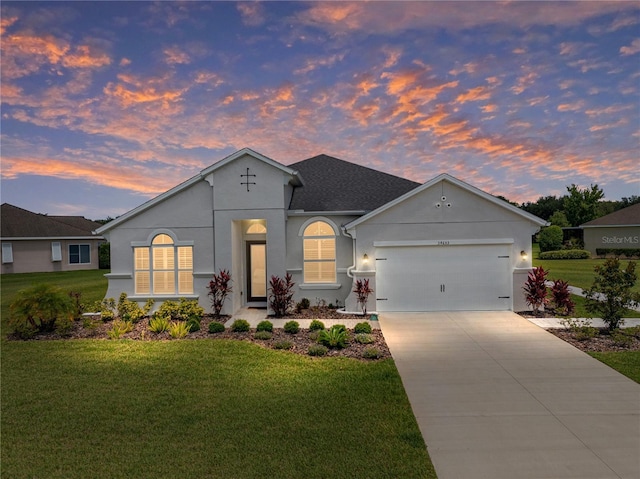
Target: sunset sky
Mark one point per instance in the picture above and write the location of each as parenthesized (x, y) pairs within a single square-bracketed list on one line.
[(108, 104)]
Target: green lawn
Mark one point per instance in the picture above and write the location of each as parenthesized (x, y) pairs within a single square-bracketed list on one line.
[(625, 362), (195, 409), (579, 273), (92, 284)]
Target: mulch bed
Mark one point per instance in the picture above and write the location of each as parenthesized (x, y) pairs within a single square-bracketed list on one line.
[(300, 341), (603, 342)]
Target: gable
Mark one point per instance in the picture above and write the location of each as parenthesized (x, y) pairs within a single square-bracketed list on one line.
[(212, 176), (445, 199)]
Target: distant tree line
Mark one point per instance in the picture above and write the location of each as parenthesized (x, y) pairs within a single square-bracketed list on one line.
[(577, 207)]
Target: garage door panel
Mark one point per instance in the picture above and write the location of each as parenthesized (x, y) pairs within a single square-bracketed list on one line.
[(431, 278)]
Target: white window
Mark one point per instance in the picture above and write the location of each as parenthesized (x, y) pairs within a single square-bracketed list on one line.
[(7, 253), (79, 254), (163, 268), (56, 252), (256, 229), (319, 250)]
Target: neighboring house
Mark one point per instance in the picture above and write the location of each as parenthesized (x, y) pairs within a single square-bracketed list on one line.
[(443, 245), (34, 243), (618, 230)]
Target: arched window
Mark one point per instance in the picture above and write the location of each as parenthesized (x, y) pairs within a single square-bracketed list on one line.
[(256, 229), (163, 268), (319, 250)]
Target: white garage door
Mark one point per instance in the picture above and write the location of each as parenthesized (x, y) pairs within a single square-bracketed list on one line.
[(443, 278)]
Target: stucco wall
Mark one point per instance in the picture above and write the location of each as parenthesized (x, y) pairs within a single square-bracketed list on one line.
[(469, 217), (34, 256), (344, 259), (622, 237), (189, 216)]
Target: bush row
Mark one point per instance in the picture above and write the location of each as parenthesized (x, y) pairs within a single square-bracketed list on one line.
[(566, 254), (617, 252)]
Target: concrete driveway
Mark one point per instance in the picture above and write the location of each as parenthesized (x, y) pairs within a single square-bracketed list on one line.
[(498, 397)]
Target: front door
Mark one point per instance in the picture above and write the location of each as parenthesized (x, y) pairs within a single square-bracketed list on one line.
[(256, 271)]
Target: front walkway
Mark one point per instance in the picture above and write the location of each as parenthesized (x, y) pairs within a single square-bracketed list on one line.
[(496, 396)]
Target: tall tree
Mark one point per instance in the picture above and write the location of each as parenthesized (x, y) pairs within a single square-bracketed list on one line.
[(544, 207), (581, 205)]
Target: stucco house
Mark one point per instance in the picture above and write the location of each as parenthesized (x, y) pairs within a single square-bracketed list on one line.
[(37, 243), (441, 245), (617, 230)]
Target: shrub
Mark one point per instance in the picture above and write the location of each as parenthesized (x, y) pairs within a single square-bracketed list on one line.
[(291, 327), (621, 338), (364, 338), (317, 350), (562, 297), (617, 252), (182, 310), (281, 294), (362, 292), (64, 326), (178, 329), (215, 327), (118, 328), (611, 293), (566, 254), (36, 309), (362, 328), (77, 304), (633, 331), (304, 303), (334, 337), (193, 324), (265, 326), (130, 311), (284, 344), (316, 325), (550, 239), (240, 326), (263, 335), (371, 353), (581, 328), (219, 289), (104, 256), (107, 308), (535, 289), (340, 327), (313, 335), (158, 325)]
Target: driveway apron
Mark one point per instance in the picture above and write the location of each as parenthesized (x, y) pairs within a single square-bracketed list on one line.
[(498, 397)]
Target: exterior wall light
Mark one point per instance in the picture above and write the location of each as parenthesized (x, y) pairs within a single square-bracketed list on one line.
[(365, 259), (524, 255)]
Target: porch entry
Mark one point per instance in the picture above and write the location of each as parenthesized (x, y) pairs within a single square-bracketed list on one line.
[(256, 271)]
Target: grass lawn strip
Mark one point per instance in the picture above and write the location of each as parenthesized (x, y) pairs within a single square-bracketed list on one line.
[(625, 362), (76, 409)]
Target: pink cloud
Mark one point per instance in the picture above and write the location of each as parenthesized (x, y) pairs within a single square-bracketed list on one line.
[(631, 49)]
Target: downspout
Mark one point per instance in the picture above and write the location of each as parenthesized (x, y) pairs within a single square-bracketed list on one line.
[(352, 267)]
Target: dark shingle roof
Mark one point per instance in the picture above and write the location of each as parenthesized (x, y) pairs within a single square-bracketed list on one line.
[(331, 184), (19, 223), (624, 217)]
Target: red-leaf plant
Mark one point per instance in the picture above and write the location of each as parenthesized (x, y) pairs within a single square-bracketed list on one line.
[(281, 295), (562, 297), (362, 292), (219, 288), (535, 289)]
